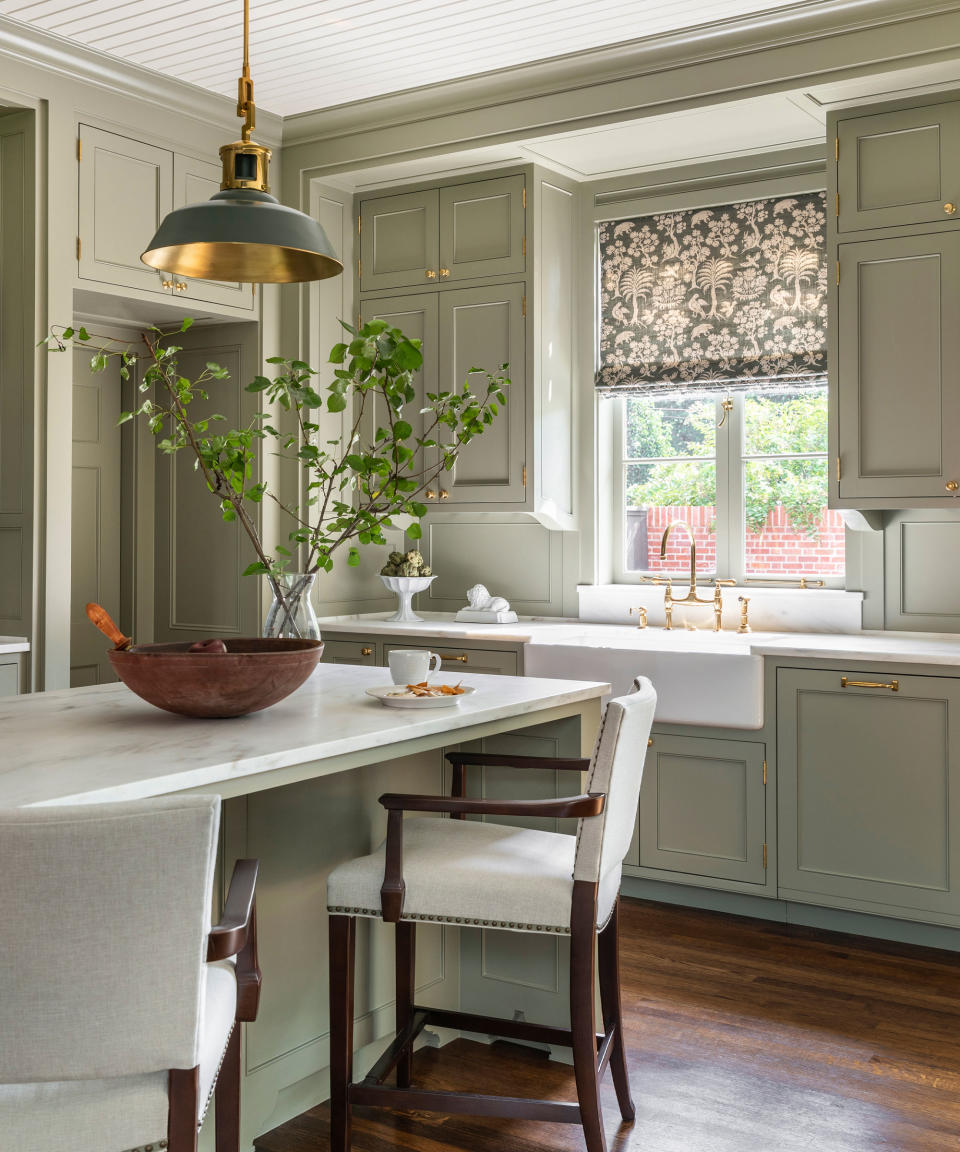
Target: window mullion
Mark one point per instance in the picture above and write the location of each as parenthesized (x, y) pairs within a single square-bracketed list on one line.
[(733, 525)]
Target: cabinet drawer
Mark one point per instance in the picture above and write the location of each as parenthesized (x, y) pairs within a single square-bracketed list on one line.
[(900, 167), (467, 659), (350, 652), (868, 812), (702, 808)]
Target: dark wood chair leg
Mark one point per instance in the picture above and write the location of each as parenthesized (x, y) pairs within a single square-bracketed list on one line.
[(582, 1017), (406, 942), (227, 1096), (343, 931), (608, 956), (183, 1090)]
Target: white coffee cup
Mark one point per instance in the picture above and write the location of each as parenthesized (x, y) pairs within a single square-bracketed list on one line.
[(411, 665)]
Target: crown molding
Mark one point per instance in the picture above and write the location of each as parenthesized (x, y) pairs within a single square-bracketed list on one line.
[(46, 50), (801, 24)]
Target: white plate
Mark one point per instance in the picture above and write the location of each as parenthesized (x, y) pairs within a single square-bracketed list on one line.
[(384, 695)]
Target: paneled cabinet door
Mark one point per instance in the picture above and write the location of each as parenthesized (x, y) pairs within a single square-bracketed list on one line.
[(703, 808), (126, 188), (896, 168), (868, 810), (399, 237), (484, 328), (193, 182), (898, 393), (9, 676), (416, 316), (482, 229)]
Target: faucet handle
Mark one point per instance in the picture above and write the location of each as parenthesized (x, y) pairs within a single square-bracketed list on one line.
[(744, 617), (642, 613)]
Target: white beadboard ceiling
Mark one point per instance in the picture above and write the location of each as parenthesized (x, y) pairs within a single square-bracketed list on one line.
[(310, 55)]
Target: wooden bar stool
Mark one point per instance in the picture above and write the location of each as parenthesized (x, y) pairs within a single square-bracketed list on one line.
[(120, 1008), (490, 875)]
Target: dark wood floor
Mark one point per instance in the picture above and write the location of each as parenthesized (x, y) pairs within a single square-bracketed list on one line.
[(742, 1036)]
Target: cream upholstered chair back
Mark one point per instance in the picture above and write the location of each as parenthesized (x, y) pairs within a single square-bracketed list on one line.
[(104, 916), (616, 770)]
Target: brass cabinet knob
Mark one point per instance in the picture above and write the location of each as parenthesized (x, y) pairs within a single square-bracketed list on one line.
[(366, 651), (430, 274), (444, 273), (950, 208), (431, 495), (444, 494), (952, 485), (166, 285), (181, 285), (650, 742)]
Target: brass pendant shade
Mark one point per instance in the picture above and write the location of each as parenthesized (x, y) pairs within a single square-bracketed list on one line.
[(242, 234)]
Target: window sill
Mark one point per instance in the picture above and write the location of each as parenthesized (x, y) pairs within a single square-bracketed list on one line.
[(771, 609)]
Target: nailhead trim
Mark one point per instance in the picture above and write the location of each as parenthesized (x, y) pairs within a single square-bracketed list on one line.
[(515, 924)]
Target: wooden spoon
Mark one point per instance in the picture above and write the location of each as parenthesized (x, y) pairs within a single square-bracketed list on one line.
[(100, 618)]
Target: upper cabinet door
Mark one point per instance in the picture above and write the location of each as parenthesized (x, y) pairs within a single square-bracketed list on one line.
[(898, 380), (399, 241), (126, 188), (898, 168), (484, 328), (482, 229), (193, 182)]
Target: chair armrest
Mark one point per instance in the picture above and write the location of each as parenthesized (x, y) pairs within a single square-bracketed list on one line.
[(236, 935), (586, 804), (393, 888)]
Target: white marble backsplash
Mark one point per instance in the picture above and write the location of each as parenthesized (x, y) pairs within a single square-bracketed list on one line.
[(771, 609)]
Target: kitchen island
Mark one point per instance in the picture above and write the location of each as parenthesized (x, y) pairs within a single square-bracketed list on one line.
[(300, 783)]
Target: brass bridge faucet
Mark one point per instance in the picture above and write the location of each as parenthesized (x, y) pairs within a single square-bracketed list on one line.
[(669, 600)]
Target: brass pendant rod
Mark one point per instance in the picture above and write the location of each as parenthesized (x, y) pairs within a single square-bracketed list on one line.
[(245, 105)]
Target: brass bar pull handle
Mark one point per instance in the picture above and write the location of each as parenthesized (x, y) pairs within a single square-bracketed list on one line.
[(463, 659), (366, 651), (894, 685)]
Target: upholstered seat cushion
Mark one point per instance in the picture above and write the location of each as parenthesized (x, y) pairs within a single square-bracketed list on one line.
[(121, 1113), (468, 872)]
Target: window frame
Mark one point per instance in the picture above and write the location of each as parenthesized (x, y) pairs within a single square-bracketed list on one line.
[(730, 460)]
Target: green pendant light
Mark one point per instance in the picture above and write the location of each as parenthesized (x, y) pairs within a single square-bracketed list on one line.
[(242, 233)]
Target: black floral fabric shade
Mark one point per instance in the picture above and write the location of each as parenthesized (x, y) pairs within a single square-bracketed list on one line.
[(720, 299)]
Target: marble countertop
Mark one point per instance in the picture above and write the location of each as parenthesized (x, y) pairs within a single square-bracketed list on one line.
[(86, 745), (13, 644), (892, 646)]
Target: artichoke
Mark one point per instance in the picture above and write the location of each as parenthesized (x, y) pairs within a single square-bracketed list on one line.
[(396, 558), (426, 570), (415, 559)]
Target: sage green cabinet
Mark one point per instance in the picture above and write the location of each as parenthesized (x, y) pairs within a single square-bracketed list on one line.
[(9, 675), (492, 661), (350, 652), (702, 810), (898, 167), (868, 791), (484, 328), (126, 188), (193, 182), (438, 236), (898, 368)]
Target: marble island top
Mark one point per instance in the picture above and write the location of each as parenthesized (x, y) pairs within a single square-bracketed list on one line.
[(85, 745), (10, 644), (891, 646)]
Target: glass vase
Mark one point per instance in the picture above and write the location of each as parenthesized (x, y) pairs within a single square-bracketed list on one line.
[(291, 615)]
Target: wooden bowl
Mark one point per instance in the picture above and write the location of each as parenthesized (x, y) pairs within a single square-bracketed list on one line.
[(251, 675)]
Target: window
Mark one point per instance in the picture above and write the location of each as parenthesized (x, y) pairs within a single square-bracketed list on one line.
[(747, 472)]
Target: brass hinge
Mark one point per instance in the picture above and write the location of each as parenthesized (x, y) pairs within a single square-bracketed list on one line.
[(524, 196), (79, 149), (838, 204), (359, 321), (78, 247), (523, 306), (359, 268), (523, 246), (839, 470), (764, 857), (359, 219), (764, 773), (838, 271), (836, 147), (524, 477)]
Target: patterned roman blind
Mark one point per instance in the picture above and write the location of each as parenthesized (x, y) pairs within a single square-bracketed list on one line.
[(719, 299)]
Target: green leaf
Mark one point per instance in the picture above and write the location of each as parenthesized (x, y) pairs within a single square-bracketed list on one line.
[(402, 430), (353, 557), (83, 334), (338, 353), (67, 333), (257, 384), (187, 323), (336, 403), (415, 532)]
